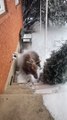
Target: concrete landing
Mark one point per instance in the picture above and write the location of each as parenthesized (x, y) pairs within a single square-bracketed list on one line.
[(23, 107)]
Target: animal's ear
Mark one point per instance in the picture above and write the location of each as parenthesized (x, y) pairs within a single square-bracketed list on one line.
[(34, 67), (28, 62), (31, 61)]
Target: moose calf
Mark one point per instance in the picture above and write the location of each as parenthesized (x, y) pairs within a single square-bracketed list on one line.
[(28, 62)]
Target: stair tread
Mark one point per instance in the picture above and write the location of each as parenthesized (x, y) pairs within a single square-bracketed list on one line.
[(18, 88)]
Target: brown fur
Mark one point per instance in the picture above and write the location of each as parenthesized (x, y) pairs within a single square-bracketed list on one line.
[(30, 63)]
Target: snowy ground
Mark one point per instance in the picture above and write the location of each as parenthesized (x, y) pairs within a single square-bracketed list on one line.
[(54, 97), (56, 103)]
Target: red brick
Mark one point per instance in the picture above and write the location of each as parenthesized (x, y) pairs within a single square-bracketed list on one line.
[(10, 24)]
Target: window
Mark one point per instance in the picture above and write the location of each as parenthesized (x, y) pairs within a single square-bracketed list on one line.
[(16, 2), (2, 6)]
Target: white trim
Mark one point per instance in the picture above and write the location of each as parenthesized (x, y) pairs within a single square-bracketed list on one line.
[(17, 2), (2, 6), (12, 70)]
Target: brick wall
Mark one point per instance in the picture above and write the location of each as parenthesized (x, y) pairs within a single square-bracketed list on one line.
[(10, 24)]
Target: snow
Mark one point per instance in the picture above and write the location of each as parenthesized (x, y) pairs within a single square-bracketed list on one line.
[(57, 105), (24, 78), (55, 96), (56, 36)]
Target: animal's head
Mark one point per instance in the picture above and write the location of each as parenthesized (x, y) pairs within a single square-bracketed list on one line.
[(35, 56), (30, 66)]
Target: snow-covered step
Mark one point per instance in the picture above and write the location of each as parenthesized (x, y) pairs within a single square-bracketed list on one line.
[(49, 89)]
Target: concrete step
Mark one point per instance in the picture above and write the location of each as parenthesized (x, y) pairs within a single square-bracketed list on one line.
[(23, 107), (18, 89)]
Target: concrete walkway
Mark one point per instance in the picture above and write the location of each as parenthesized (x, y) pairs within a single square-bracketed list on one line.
[(19, 103)]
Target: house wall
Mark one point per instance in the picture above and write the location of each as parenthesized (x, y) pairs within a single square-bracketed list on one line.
[(10, 25)]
